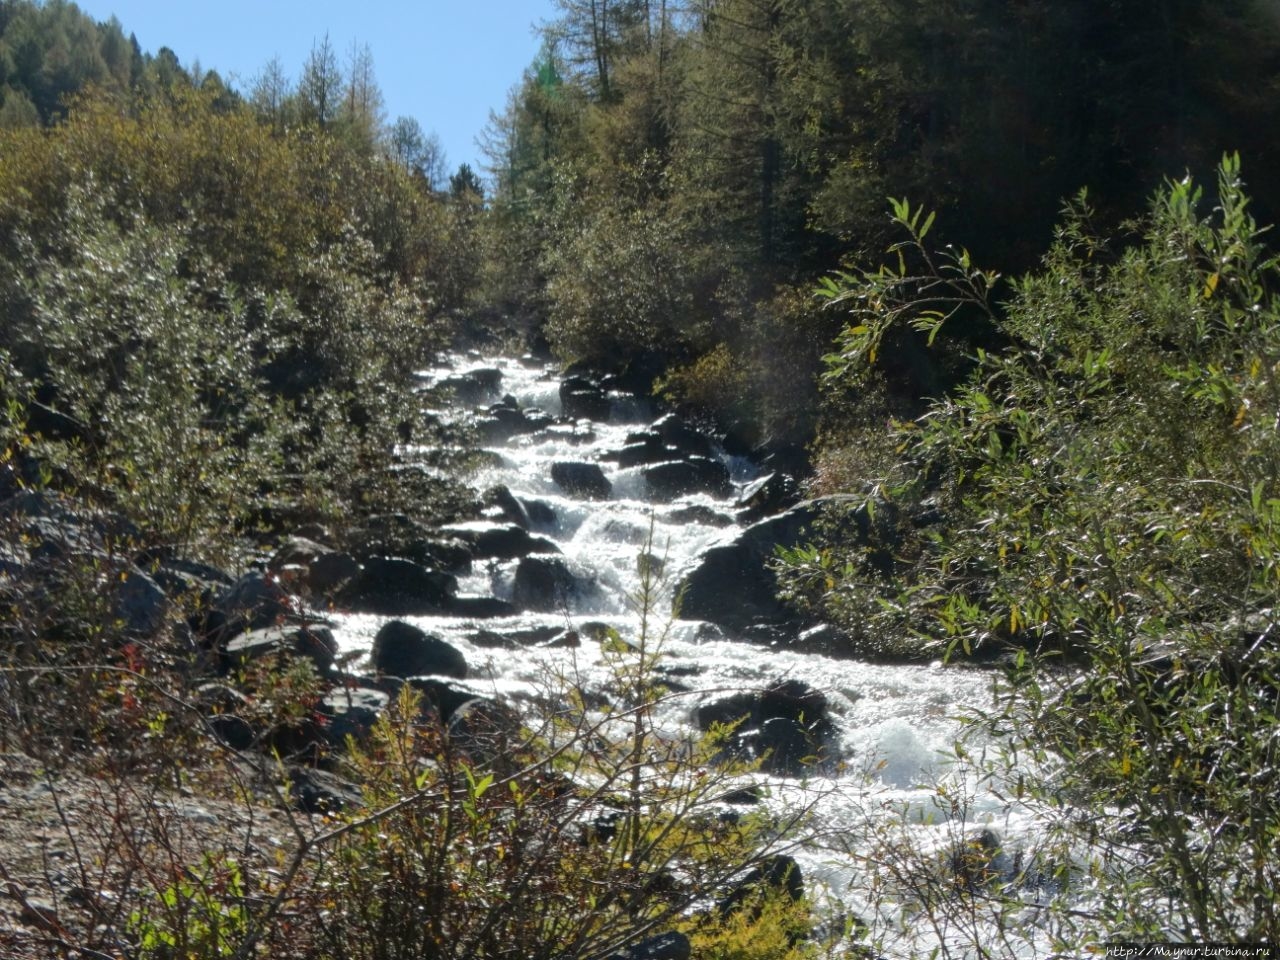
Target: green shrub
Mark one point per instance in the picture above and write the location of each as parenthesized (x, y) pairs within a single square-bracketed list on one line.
[(1104, 507)]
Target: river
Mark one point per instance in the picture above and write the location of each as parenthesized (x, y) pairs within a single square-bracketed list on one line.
[(885, 820)]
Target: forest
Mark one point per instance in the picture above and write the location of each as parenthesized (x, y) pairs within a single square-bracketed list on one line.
[(995, 273)]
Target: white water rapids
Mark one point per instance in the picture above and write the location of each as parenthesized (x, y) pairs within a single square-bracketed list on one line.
[(900, 802)]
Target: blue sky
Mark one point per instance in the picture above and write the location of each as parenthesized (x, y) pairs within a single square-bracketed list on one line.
[(445, 63)]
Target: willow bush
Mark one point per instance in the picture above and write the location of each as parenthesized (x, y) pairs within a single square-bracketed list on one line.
[(1103, 511)]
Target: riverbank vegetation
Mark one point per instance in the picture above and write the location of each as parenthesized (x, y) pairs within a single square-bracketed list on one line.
[(1056, 391)]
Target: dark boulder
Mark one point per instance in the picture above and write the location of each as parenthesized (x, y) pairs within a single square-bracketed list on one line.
[(502, 504), (584, 481), (141, 606), (544, 584), (439, 699), (676, 432), (482, 608), (315, 641), (766, 496), (395, 587), (254, 601), (487, 732), (502, 422), (328, 573), (676, 478), (473, 386), (732, 585), (775, 875), (402, 650), (297, 551), (351, 710), (650, 450), (317, 791), (667, 946), (786, 726), (583, 399), (489, 540)]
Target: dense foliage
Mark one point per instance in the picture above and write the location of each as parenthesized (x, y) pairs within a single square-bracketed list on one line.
[(680, 173), (1102, 509)]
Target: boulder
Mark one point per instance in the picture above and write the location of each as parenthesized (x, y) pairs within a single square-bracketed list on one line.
[(314, 641), (254, 601), (666, 946), (321, 792), (351, 711), (676, 478), (402, 650), (732, 585), (473, 386), (481, 608), (395, 587), (440, 699), (488, 540), (487, 731), (544, 584), (502, 422), (583, 399), (141, 606), (785, 726), (766, 496), (297, 551), (676, 432), (583, 481), (778, 874), (329, 572)]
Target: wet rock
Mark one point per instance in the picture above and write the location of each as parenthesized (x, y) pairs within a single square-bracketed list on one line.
[(766, 496), (786, 726), (473, 386), (544, 584), (487, 731), (583, 399), (700, 513), (824, 639), (732, 585), (482, 608), (395, 587), (351, 711), (584, 481), (254, 601), (514, 639), (676, 432), (500, 423), (498, 541), (329, 572), (678, 478), (402, 650), (667, 946), (315, 641), (642, 448), (779, 874), (979, 860)]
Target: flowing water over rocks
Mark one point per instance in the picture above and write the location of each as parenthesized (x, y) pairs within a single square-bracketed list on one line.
[(590, 488)]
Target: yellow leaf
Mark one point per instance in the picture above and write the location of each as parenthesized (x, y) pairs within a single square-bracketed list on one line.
[(1125, 766), (1210, 285)]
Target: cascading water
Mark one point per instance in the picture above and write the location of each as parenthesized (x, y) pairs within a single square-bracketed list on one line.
[(898, 790)]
